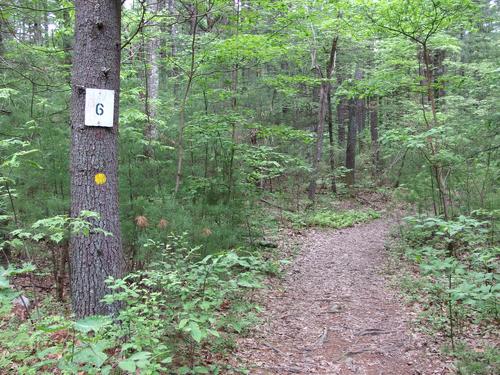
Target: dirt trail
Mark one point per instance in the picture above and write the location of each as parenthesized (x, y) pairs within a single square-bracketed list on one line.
[(334, 313)]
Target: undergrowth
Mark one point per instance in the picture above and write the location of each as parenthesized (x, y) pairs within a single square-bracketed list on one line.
[(454, 278), (331, 219), (180, 316)]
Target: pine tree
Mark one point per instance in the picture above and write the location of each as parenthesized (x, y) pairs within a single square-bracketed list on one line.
[(94, 156)]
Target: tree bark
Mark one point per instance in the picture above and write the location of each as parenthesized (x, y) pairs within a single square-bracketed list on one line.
[(173, 43), (173, 27), (356, 120), (1, 36), (331, 142), (182, 110), (96, 64), (436, 165), (323, 103), (37, 29), (374, 136), (234, 104), (350, 155), (152, 80), (342, 118), (439, 71)]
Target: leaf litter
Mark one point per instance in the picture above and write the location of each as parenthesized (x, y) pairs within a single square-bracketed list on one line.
[(334, 313)]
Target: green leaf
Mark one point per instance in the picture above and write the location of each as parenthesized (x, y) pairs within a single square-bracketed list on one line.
[(4, 282), (91, 355), (127, 365), (93, 323), (183, 323), (200, 370), (140, 356), (247, 282), (194, 330), (213, 332)]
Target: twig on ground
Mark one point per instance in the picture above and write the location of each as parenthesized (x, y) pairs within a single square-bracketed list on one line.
[(275, 349)]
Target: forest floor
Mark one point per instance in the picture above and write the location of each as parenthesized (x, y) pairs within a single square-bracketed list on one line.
[(335, 312)]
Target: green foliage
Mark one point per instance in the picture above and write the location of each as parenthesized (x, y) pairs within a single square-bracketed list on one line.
[(248, 80), (171, 313), (458, 282), (7, 294), (341, 219), (55, 229), (332, 219), (485, 361)]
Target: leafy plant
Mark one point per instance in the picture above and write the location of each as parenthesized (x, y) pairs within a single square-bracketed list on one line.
[(458, 279), (172, 313), (332, 219)]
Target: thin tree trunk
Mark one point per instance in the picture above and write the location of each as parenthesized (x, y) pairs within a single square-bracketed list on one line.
[(152, 80), (440, 71), (94, 150), (45, 25), (1, 37), (360, 112), (356, 119), (37, 31), (331, 141), (436, 166), (323, 102), (173, 43), (182, 111), (350, 155), (374, 136), (318, 150), (61, 275), (234, 104), (342, 118)]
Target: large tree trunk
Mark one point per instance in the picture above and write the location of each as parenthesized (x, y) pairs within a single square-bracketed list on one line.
[(96, 64)]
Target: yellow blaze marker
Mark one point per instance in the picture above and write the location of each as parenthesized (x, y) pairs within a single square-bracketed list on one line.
[(100, 179)]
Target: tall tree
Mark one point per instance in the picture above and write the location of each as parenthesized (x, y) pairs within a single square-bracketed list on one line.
[(342, 118), (1, 36), (194, 20), (94, 156), (152, 77), (331, 142), (324, 91), (350, 153), (355, 125), (373, 108), (420, 21)]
